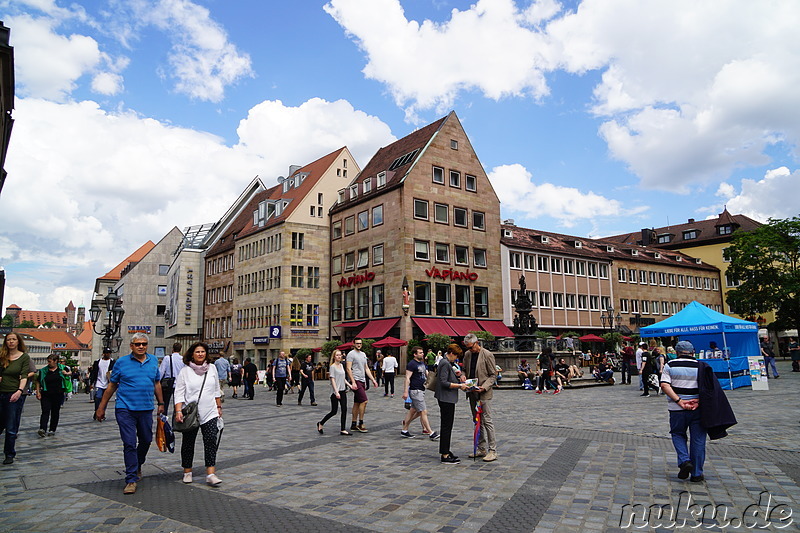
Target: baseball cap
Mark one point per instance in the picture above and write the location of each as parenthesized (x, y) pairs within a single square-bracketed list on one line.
[(684, 347)]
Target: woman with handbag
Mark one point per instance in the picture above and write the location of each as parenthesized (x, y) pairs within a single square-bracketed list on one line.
[(197, 402), (447, 386)]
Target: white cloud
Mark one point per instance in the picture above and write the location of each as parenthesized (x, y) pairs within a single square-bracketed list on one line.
[(23, 298), (86, 186), (776, 195), (519, 195)]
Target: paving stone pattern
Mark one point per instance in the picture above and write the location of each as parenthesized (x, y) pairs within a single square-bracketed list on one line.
[(569, 462)]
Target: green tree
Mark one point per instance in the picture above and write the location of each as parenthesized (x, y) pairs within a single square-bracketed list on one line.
[(27, 324), (7, 322), (438, 341), (766, 262), (328, 348)]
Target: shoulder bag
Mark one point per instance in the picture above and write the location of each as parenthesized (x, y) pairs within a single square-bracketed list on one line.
[(169, 383), (191, 418)]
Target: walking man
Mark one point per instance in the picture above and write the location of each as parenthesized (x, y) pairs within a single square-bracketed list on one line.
[(250, 373), (306, 380), (171, 366), (390, 365), (416, 373), (98, 376), (769, 357), (358, 371), (479, 364), (135, 380), (281, 371), (223, 373)]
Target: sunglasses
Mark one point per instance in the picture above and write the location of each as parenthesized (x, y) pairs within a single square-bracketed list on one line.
[(138, 344)]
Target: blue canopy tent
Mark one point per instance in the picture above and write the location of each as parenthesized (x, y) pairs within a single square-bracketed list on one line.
[(700, 325)]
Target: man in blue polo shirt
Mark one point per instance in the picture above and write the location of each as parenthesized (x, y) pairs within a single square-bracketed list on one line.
[(135, 380)]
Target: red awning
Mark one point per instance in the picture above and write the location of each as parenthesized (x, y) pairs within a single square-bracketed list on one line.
[(434, 325), (389, 342), (591, 338), (345, 346), (496, 328), (463, 326), (350, 324), (376, 329)]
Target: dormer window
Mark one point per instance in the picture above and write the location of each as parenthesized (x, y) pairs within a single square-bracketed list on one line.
[(698, 261), (544, 238), (287, 184), (367, 185), (678, 258), (609, 249), (665, 238), (381, 180), (340, 197), (354, 191), (578, 244), (657, 255), (726, 229), (634, 252), (689, 234), (508, 233)]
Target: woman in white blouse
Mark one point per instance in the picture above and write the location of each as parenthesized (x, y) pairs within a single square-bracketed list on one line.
[(191, 379)]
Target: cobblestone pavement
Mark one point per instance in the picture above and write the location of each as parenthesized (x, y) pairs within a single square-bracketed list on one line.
[(577, 461)]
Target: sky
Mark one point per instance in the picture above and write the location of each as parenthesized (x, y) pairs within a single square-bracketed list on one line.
[(591, 118)]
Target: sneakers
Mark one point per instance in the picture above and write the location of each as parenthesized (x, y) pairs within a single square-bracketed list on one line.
[(51, 433), (611, 380), (313, 404), (556, 391), (685, 468), (8, 460), (41, 433), (130, 488), (213, 480), (362, 428), (187, 477), (479, 453), (697, 479), (490, 456), (538, 391), (434, 436), (450, 460), (406, 435)]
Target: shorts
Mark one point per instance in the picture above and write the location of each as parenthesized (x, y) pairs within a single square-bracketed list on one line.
[(360, 394), (417, 400)]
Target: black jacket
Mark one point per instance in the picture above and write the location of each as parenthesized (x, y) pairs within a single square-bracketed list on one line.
[(716, 414)]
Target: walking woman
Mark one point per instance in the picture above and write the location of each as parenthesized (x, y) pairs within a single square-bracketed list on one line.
[(295, 374), (236, 376), (447, 387), (339, 385), (50, 393), (14, 370), (195, 382), (281, 372)]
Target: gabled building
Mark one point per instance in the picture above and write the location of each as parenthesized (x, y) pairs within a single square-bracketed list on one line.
[(72, 319), (60, 342), (414, 242)]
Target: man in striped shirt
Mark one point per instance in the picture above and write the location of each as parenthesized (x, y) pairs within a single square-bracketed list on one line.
[(679, 383)]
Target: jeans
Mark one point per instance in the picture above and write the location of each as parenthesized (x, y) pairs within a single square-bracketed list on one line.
[(679, 422), (10, 416), (166, 393), (51, 410), (388, 381), (98, 395), (133, 424), (487, 426), (280, 387), (336, 404), (770, 362), (625, 369), (606, 375), (447, 412), (306, 383)]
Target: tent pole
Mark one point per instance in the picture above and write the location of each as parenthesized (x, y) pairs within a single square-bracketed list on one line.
[(728, 359)]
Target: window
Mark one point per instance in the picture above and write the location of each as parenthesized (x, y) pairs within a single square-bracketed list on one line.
[(664, 308), (349, 304), (443, 301), (690, 282), (569, 267), (730, 281), (515, 259), (380, 180), (605, 302), (336, 265), (442, 253), (463, 306), (354, 191), (481, 302), (480, 258), (656, 305), (363, 302), (632, 276), (313, 277), (698, 282), (663, 239), (296, 316), (544, 299), (671, 279), (529, 261), (604, 271), (297, 241), (634, 306), (336, 306), (478, 220), (440, 213), (377, 254), (643, 277), (312, 315), (645, 307), (592, 270), (363, 220), (367, 185), (532, 297), (421, 250), (725, 257), (558, 300), (707, 284), (163, 270), (460, 217), (594, 303), (455, 179), (349, 225), (470, 183), (681, 280), (583, 301), (349, 261), (297, 276), (623, 305), (421, 209), (653, 278), (662, 278), (622, 275), (462, 255), (438, 175), (377, 215), (377, 300), (453, 144), (690, 234), (363, 258), (422, 298), (715, 284), (580, 268), (544, 264), (570, 298), (727, 229), (555, 265)]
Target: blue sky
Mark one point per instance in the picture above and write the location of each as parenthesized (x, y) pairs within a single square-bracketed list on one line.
[(591, 118)]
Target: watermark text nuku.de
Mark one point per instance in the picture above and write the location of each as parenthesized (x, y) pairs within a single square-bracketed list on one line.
[(687, 514)]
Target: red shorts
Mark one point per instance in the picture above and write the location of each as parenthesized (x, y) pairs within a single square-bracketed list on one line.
[(360, 394)]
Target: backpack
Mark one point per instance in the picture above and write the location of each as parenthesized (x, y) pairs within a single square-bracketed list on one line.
[(652, 360), (527, 385)]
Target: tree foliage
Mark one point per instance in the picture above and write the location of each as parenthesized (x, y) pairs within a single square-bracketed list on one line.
[(766, 262), (27, 324)]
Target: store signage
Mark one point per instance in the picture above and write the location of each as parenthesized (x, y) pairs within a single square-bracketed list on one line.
[(275, 332), (138, 329), (356, 279), (260, 340), (449, 273)]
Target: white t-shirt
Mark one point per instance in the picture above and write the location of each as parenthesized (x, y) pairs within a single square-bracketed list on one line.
[(102, 374), (187, 389), (639, 353), (390, 364)]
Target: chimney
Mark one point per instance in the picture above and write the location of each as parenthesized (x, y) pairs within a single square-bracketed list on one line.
[(691, 221), (648, 236)]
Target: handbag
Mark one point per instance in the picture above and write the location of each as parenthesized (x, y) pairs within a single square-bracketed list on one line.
[(191, 418), (169, 383), (430, 381)]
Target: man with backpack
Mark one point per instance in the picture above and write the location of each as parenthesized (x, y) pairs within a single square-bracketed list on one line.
[(649, 367)]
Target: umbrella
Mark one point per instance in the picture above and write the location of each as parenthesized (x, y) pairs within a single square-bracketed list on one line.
[(591, 338), (345, 346), (389, 342), (477, 434)]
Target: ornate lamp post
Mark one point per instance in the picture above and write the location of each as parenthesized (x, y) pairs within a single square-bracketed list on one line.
[(113, 314), (610, 321)]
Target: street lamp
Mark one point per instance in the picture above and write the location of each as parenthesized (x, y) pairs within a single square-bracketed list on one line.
[(113, 314), (610, 321)]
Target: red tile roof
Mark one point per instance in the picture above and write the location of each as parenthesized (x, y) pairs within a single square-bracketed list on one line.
[(39, 318), (116, 273), (55, 336)]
